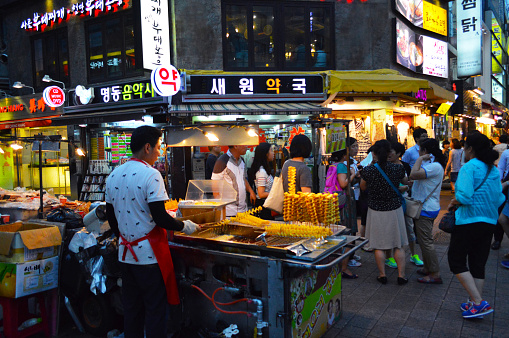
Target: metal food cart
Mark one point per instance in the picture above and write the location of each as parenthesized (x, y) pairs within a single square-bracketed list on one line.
[(275, 286)]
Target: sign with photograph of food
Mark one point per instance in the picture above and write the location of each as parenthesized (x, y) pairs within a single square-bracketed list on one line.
[(420, 53), (469, 30), (424, 14)]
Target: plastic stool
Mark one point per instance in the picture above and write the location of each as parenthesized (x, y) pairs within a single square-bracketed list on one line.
[(15, 312)]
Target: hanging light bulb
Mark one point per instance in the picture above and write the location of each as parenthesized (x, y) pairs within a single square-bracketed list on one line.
[(252, 133), (212, 137), (80, 152)]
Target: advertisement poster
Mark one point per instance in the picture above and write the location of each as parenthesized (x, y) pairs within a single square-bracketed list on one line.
[(424, 14), (420, 53), (468, 21), (335, 138), (315, 302)]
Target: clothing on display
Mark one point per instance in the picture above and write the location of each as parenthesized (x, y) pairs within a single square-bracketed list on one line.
[(391, 132)]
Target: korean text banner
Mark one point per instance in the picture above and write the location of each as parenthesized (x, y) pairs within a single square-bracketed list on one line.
[(424, 14), (468, 22), (420, 53), (155, 33)]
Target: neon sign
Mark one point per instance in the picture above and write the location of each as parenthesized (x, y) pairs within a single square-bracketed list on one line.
[(91, 8)]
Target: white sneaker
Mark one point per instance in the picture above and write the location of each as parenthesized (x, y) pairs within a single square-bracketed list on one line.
[(354, 263)]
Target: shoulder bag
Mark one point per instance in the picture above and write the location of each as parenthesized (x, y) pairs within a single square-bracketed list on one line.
[(276, 196), (411, 206), (448, 221)]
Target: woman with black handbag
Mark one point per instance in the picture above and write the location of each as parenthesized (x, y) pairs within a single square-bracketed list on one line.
[(428, 174), (478, 196)]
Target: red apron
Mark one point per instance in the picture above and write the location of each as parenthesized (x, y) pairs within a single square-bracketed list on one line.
[(159, 242)]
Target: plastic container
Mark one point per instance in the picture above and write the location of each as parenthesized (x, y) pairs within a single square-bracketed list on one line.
[(6, 219)]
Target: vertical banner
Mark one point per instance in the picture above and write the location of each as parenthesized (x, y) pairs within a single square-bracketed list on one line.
[(155, 33), (469, 30)]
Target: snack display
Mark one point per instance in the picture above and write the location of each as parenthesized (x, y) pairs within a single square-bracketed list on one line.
[(319, 209), (297, 230)]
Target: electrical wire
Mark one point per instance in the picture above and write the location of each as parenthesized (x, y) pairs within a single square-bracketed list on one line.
[(223, 304)]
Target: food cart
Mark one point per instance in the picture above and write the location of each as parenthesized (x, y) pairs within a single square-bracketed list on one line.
[(234, 273)]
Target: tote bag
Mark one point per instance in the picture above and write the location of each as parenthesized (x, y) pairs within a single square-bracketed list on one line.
[(276, 196)]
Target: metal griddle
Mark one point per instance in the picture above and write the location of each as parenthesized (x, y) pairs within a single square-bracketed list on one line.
[(247, 238)]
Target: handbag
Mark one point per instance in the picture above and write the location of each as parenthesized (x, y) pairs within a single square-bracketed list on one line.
[(276, 196), (448, 221), (411, 206)]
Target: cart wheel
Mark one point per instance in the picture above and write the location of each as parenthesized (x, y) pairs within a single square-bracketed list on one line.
[(97, 316)]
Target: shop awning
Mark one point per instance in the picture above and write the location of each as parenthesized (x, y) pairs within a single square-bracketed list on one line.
[(248, 109), (100, 117), (383, 81)]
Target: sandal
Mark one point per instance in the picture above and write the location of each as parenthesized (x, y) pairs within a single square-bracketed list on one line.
[(347, 276), (422, 272), (368, 249), (430, 280)]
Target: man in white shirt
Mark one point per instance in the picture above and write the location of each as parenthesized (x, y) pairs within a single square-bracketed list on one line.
[(412, 154), (231, 168), (135, 195)]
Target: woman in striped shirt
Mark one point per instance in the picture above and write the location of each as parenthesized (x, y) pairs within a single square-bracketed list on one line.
[(261, 172)]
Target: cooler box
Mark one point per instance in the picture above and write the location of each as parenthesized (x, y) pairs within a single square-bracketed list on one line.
[(25, 242), (23, 279)]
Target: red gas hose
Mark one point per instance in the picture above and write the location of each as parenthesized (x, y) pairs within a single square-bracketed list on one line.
[(225, 304)]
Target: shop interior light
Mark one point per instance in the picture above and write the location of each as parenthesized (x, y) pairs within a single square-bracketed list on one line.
[(16, 146), (47, 78), (2, 150), (478, 91), (19, 85)]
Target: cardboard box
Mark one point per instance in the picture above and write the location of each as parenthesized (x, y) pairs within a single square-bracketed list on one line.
[(18, 280), (25, 242)]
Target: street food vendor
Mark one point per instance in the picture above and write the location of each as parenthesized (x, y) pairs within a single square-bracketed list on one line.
[(300, 149), (135, 195), (231, 168)]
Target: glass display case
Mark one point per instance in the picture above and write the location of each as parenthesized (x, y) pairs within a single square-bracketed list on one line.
[(208, 199)]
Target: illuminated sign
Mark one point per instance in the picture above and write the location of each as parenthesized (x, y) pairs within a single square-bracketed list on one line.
[(468, 21), (40, 21), (253, 87), (24, 107), (53, 96), (120, 93), (155, 33), (165, 80), (496, 49), (420, 53), (424, 14)]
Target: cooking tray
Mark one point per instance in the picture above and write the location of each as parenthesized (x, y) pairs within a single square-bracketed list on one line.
[(244, 237)]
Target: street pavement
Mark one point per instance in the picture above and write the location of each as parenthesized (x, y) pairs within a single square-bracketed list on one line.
[(371, 309)]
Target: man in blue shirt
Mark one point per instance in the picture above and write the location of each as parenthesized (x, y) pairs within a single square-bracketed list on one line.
[(411, 155)]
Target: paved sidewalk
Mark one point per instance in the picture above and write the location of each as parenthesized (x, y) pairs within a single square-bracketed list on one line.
[(371, 309)]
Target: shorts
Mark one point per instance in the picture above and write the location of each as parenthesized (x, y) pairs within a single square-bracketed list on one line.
[(454, 177)]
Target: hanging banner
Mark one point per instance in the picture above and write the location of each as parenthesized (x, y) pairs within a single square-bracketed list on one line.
[(155, 33), (469, 30)]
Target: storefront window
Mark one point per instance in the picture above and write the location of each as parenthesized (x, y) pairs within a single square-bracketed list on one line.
[(110, 48), (278, 36), (50, 57)]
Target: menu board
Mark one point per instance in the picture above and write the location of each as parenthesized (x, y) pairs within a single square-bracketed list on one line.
[(420, 53), (335, 138), (120, 147), (424, 14)]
